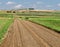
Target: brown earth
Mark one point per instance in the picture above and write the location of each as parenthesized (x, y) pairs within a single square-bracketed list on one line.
[(27, 34)]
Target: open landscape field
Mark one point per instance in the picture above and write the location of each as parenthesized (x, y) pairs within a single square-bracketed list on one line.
[(26, 30), (27, 34), (52, 22), (5, 22), (29, 23), (48, 19)]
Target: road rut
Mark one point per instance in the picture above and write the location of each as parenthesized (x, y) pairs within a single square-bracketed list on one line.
[(27, 34)]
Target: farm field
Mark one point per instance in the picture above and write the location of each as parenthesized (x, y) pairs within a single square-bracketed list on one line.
[(5, 22), (24, 33), (48, 19), (6, 15), (52, 22), (27, 34), (29, 23)]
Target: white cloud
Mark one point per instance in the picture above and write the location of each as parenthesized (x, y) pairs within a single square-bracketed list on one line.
[(58, 4), (49, 6), (39, 2), (18, 6), (9, 3)]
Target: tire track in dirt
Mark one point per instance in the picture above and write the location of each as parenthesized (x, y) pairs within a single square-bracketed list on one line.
[(6, 42), (52, 32), (13, 38), (27, 34), (51, 39), (16, 37), (27, 39), (39, 40)]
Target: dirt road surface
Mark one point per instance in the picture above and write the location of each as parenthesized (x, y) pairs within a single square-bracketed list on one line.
[(27, 34)]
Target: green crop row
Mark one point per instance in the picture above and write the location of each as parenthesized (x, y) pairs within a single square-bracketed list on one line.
[(4, 24), (6, 15)]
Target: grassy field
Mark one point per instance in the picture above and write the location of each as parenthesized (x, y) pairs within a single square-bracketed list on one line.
[(6, 15), (39, 13), (5, 22), (52, 22), (48, 19)]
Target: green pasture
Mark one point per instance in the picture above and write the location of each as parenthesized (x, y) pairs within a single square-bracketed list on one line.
[(51, 22), (5, 21), (48, 19)]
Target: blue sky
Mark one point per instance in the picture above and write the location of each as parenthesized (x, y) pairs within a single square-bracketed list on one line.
[(37, 4)]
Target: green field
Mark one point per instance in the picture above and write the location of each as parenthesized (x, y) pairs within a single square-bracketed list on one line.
[(5, 22), (6, 15), (48, 19), (52, 22)]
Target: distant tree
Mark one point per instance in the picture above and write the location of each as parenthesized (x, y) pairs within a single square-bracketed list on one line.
[(8, 11), (14, 12)]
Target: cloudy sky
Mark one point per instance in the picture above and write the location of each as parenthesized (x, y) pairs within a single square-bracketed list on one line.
[(37, 4)]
